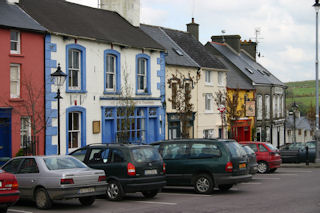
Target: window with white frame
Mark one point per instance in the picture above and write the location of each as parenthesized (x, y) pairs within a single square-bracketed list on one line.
[(14, 80), (208, 77), (259, 107), (14, 42), (267, 106), (74, 66), (279, 106), (267, 134), (208, 133), (74, 130), (25, 131), (110, 72), (220, 78), (259, 135), (208, 102), (141, 75)]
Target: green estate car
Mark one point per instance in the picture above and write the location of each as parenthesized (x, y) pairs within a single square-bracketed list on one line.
[(204, 163)]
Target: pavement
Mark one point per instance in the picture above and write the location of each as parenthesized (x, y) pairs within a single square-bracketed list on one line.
[(300, 165)]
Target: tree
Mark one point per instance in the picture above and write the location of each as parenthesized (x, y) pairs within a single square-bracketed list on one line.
[(182, 87), (33, 95), (125, 112), (232, 102)]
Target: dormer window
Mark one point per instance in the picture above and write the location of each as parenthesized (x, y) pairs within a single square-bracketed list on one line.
[(14, 42)]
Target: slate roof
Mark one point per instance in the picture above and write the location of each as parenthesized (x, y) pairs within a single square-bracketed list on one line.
[(249, 67), (194, 49), (235, 79), (66, 18), (175, 54), (12, 16), (301, 123)]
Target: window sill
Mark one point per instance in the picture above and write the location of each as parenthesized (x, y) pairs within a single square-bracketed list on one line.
[(16, 55), (16, 100), (76, 91), (208, 112), (143, 93), (208, 84), (111, 93)]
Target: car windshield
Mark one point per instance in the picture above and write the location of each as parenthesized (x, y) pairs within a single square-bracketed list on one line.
[(311, 144), (271, 147), (248, 150), (296, 146), (57, 163), (142, 155), (236, 149)]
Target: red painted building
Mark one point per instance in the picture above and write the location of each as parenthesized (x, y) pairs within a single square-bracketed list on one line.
[(21, 82)]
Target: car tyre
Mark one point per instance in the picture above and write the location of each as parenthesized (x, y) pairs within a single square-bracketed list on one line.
[(42, 199), (203, 184), (272, 170), (114, 191), (87, 201), (225, 187), (262, 167), (4, 209), (150, 193)]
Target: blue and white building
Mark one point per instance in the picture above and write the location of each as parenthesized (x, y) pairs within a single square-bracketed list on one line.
[(102, 54)]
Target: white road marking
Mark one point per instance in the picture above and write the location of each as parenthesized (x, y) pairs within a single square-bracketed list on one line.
[(19, 211), (194, 195), (251, 183), (262, 178), (287, 174), (161, 203), (296, 172)]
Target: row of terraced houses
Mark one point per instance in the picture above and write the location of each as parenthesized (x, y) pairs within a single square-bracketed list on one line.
[(106, 51)]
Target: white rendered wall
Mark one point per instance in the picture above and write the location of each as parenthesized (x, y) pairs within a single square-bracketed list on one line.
[(95, 84)]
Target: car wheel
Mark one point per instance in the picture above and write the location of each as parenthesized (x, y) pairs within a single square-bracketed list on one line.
[(203, 184), (150, 193), (87, 201), (3, 209), (272, 170), (225, 187), (42, 199), (262, 167), (114, 191)]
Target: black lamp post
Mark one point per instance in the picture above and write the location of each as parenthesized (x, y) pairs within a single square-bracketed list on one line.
[(58, 77), (294, 108)]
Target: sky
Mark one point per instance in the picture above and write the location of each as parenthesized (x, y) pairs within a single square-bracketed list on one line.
[(286, 38)]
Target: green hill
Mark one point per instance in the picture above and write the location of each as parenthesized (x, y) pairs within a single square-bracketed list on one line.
[(303, 93)]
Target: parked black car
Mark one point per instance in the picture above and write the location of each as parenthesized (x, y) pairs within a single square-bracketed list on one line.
[(252, 160), (204, 163), (296, 152), (129, 168)]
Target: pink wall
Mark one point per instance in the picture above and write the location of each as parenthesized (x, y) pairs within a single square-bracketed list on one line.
[(31, 60)]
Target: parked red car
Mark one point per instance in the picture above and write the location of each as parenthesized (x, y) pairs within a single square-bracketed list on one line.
[(268, 156), (9, 193)]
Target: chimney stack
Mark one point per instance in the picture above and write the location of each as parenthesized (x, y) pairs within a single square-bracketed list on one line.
[(13, 1), (250, 47), (128, 9), (232, 40), (193, 28)]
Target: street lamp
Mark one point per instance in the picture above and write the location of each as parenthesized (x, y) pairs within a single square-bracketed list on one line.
[(58, 77), (294, 108), (317, 134)]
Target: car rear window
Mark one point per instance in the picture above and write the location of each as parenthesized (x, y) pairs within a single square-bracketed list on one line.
[(248, 150), (57, 163), (235, 149), (146, 154), (271, 147)]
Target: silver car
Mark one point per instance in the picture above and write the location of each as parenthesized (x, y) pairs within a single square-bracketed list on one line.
[(47, 178)]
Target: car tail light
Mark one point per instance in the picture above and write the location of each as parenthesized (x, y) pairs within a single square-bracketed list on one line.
[(164, 168), (131, 169), (66, 181), (102, 178), (13, 184), (229, 167)]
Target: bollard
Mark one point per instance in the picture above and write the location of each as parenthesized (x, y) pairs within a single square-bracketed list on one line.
[(307, 155)]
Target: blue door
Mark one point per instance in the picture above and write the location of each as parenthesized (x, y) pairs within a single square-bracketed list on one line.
[(152, 130), (108, 132), (5, 139)]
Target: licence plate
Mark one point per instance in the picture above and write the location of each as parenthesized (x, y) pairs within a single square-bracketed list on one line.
[(242, 165), (86, 190), (151, 172)]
